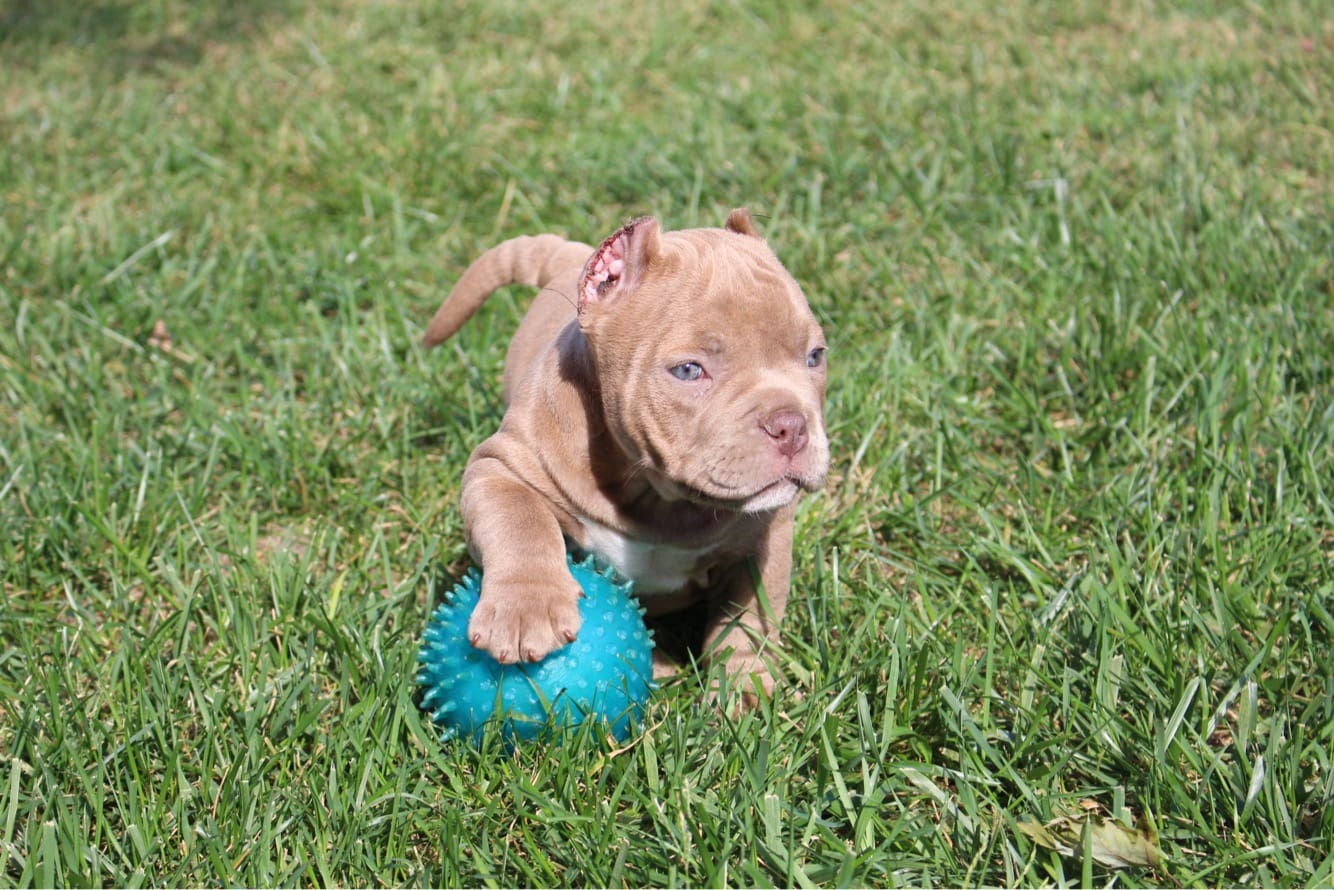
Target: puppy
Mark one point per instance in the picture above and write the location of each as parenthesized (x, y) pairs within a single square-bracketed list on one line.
[(665, 397)]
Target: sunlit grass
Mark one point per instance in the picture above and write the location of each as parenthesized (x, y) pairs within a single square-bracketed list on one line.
[(1073, 264)]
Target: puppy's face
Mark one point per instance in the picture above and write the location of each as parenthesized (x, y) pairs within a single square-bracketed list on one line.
[(711, 363)]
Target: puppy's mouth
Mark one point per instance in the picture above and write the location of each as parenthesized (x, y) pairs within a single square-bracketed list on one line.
[(738, 478), (770, 496), (778, 493)]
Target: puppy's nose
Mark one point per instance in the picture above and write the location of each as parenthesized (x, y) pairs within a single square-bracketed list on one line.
[(788, 430)]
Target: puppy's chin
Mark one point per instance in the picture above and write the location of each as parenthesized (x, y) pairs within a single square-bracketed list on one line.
[(771, 497)]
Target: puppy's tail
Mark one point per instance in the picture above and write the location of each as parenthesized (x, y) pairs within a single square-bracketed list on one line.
[(535, 261)]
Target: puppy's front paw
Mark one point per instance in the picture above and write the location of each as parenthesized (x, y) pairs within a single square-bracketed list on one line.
[(523, 622), (750, 682)]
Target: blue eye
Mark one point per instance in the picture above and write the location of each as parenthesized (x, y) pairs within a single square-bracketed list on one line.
[(687, 371), (815, 358)]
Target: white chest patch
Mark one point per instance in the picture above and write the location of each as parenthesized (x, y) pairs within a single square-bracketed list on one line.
[(654, 568)]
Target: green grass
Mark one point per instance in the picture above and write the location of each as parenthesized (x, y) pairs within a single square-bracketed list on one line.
[(1074, 265)]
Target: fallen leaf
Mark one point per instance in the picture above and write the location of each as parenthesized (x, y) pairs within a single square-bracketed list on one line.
[(1110, 843), (1042, 837), (1115, 846)]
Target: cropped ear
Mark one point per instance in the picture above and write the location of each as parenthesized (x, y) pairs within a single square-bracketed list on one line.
[(618, 264), (739, 221)]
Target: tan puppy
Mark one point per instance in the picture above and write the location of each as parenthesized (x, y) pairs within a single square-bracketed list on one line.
[(665, 396)]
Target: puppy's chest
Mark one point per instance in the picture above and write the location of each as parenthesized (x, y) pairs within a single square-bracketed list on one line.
[(654, 568)]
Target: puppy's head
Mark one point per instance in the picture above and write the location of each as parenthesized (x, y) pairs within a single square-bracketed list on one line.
[(711, 363)]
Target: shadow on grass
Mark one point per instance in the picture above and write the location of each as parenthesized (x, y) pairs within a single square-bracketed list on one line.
[(125, 35)]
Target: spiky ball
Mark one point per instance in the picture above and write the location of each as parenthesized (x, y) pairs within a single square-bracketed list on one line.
[(606, 674)]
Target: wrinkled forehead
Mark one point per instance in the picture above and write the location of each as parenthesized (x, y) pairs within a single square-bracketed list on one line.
[(738, 282)]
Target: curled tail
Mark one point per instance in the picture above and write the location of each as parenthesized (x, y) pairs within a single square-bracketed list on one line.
[(534, 261)]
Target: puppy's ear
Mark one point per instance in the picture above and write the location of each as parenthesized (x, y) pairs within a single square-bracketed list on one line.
[(616, 267), (739, 221)]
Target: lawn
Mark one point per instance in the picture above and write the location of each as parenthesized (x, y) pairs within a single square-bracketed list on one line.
[(1069, 587)]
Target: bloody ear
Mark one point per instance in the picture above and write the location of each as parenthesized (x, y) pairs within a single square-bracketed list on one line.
[(739, 221), (619, 262)]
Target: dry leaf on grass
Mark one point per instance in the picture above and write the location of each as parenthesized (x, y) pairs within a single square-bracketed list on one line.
[(1111, 844)]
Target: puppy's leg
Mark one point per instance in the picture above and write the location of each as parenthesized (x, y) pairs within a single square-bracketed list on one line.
[(743, 627), (529, 603)]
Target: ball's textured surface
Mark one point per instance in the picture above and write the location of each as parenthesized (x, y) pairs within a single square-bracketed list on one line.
[(605, 674)]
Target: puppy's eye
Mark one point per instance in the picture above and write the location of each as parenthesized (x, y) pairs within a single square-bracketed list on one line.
[(815, 358), (687, 371)]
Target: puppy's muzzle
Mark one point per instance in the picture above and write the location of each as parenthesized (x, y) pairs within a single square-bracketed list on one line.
[(788, 431)]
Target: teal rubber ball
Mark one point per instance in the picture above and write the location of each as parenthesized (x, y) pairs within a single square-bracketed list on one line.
[(606, 674)]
